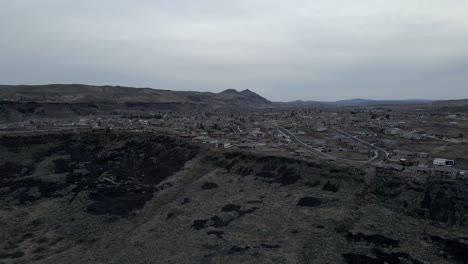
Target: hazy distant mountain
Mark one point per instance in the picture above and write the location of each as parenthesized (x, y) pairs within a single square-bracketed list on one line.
[(306, 103), (357, 101), (451, 103), (370, 101), (453, 106)]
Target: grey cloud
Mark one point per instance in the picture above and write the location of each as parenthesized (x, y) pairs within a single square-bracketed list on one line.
[(285, 50)]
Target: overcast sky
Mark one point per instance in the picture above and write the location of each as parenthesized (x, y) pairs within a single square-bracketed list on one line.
[(283, 50)]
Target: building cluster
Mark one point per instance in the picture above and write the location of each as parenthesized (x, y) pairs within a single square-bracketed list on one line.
[(408, 136)]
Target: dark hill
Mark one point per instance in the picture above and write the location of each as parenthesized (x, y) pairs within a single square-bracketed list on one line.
[(19, 103), (78, 93)]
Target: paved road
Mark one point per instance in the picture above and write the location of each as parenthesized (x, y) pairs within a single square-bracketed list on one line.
[(318, 152), (381, 153), (304, 145), (235, 129)]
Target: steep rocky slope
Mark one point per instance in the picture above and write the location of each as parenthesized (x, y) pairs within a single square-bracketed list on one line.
[(147, 198)]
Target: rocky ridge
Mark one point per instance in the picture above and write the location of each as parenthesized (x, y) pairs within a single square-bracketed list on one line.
[(101, 197)]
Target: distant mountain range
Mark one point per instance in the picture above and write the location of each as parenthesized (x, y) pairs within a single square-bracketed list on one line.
[(358, 101), (156, 98)]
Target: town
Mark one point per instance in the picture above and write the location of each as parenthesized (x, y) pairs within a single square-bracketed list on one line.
[(393, 139)]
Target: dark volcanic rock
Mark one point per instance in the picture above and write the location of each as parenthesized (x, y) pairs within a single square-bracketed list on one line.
[(199, 224), (231, 208), (444, 202), (266, 174), (237, 208), (170, 215), (185, 201), (26, 184), (270, 246), (331, 186), (217, 233), (390, 187), (312, 184), (289, 176), (458, 248), (116, 174), (274, 169), (218, 222), (11, 170), (378, 240), (352, 258), (62, 166), (248, 211), (236, 249), (17, 254), (209, 185), (309, 202), (119, 180), (118, 200), (381, 257)]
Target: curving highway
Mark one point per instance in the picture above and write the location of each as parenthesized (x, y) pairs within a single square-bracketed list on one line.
[(318, 152), (381, 153), (304, 145)]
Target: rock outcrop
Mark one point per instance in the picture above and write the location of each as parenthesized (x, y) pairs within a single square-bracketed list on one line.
[(100, 197)]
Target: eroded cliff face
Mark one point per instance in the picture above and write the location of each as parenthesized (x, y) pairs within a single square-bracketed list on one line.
[(120, 172), (148, 198), (445, 201), (430, 198)]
